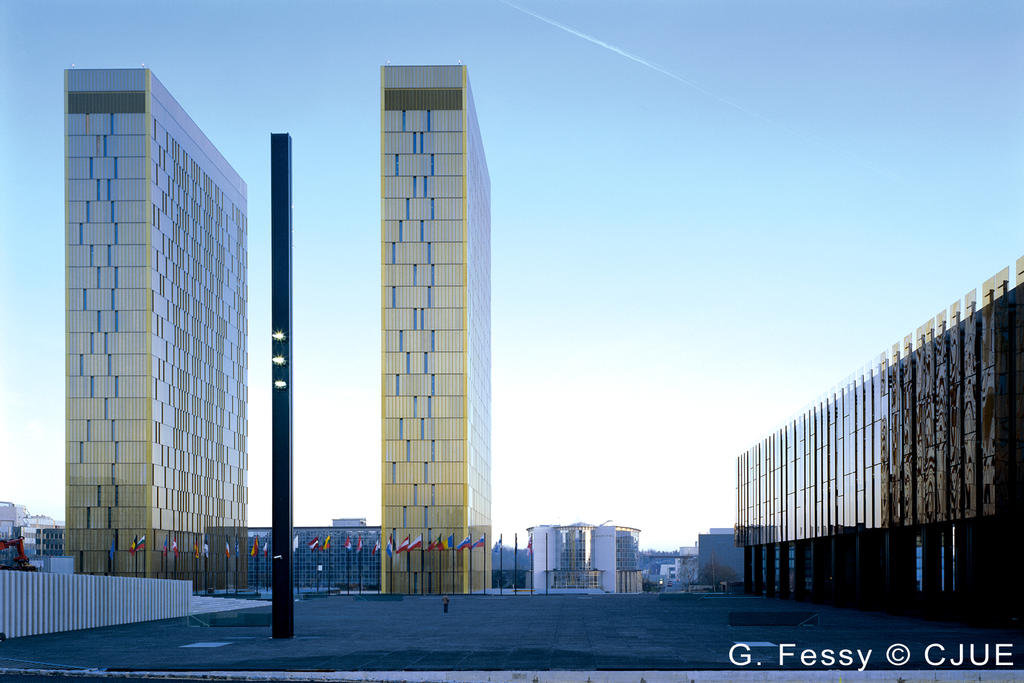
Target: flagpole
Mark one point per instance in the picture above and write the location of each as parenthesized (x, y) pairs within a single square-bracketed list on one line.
[(515, 565), (501, 566)]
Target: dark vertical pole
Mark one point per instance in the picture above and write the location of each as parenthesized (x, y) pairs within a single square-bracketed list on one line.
[(281, 342), (501, 566), (545, 563)]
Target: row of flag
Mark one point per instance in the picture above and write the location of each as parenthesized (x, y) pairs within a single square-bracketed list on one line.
[(138, 544), (406, 545), (315, 544), (441, 543)]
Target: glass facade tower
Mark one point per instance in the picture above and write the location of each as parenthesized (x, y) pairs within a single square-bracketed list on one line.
[(156, 326), (436, 326)]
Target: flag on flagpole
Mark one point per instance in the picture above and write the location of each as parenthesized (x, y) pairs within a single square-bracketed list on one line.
[(141, 545), (113, 547), (255, 547), (348, 543), (174, 546), (295, 542), (389, 545), (195, 547), (451, 542), (236, 547), (315, 543), (529, 547), (206, 548), (376, 547), (132, 546), (433, 544), (327, 543), (464, 543), (416, 543), (227, 549), (404, 546), (480, 543), (164, 551), (359, 546), (266, 547)]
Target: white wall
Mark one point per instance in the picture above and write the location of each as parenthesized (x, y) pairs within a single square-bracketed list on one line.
[(604, 556), (32, 602), (540, 555)]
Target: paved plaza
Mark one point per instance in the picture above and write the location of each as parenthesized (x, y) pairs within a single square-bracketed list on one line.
[(523, 633)]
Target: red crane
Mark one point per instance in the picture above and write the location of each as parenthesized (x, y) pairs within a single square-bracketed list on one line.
[(21, 562)]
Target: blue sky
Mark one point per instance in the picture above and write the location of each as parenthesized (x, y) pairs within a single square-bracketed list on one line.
[(680, 261)]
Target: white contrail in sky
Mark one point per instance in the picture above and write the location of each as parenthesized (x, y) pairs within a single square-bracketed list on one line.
[(696, 86), (636, 58)]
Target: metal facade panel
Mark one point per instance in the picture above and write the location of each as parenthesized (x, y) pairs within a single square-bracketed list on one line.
[(987, 408), (441, 76), (1003, 419), (971, 424), (101, 80), (38, 603), (928, 434), (925, 395), (955, 405)]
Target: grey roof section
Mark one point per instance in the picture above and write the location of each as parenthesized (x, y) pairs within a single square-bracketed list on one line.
[(105, 80), (441, 76)]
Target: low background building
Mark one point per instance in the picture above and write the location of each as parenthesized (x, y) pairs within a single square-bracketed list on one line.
[(9, 516), (687, 572), (335, 567), (718, 557), (43, 534), (586, 558)]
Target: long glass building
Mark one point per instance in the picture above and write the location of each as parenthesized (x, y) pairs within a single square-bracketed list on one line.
[(435, 330), (327, 566), (156, 324), (902, 487)]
